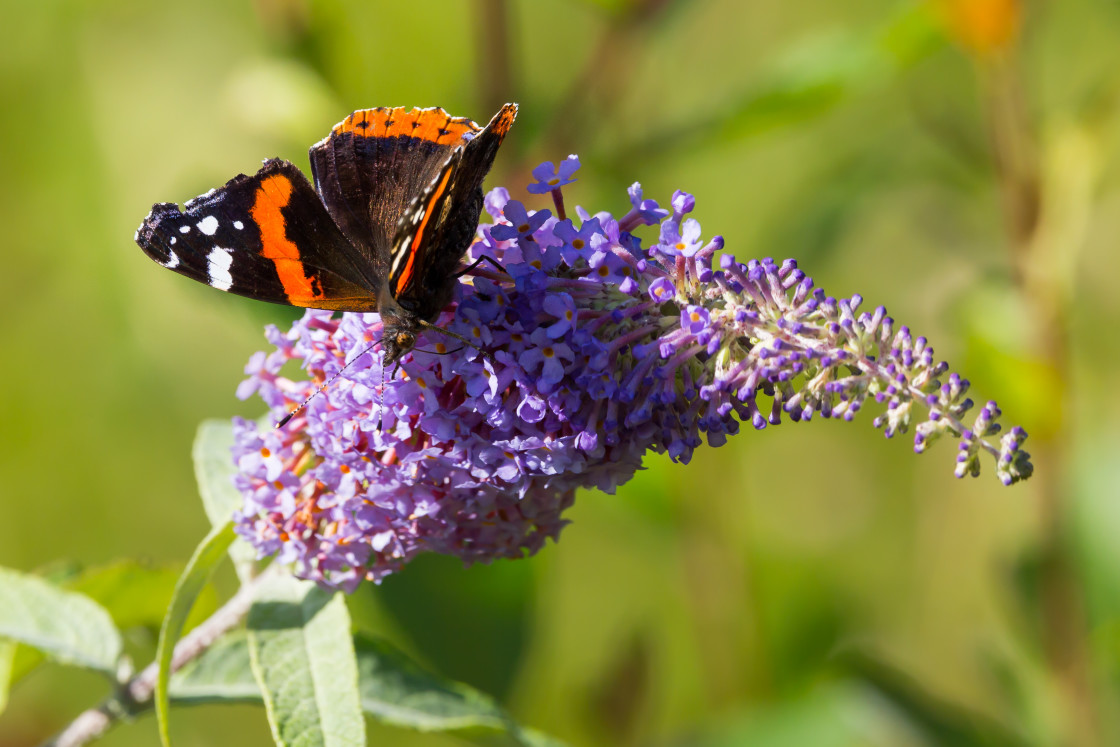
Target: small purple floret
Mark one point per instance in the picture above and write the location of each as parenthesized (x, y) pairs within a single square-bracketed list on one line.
[(550, 177)]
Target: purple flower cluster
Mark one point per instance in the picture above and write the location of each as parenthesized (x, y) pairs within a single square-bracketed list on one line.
[(598, 350)]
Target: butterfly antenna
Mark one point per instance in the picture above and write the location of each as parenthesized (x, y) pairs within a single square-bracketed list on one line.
[(436, 352), (485, 354), (284, 420), (381, 399)]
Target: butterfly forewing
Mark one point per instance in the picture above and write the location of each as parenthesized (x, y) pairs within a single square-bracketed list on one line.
[(438, 225), (266, 236), (421, 230)]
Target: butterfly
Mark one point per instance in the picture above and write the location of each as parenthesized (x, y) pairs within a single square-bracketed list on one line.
[(396, 200)]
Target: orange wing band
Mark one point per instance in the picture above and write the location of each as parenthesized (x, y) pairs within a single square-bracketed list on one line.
[(272, 195), (434, 125)]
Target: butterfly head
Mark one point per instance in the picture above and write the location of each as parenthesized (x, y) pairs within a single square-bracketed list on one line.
[(399, 336), (397, 345)]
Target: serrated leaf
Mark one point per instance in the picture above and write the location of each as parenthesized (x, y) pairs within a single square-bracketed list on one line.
[(303, 659), (205, 559), (66, 626), (222, 674), (214, 470)]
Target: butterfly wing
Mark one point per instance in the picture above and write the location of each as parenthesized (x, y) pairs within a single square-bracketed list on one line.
[(266, 236), (438, 225), (375, 161)]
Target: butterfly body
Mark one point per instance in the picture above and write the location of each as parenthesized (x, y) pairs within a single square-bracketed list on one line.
[(395, 203)]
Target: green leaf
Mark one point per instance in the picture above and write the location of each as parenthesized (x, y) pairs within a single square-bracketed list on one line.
[(439, 602), (392, 689), (134, 595), (941, 722), (534, 738), (205, 559), (137, 595), (7, 657), (25, 661), (397, 691), (303, 658), (837, 714), (67, 626), (222, 674), (214, 470)]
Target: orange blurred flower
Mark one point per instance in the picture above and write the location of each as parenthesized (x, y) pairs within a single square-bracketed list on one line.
[(982, 26)]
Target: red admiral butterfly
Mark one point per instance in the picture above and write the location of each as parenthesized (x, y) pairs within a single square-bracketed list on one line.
[(396, 202)]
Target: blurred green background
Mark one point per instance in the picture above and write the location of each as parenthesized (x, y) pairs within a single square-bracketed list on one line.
[(812, 584)]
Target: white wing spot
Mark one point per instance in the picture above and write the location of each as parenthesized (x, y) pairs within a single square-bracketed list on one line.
[(172, 260), (219, 261), (184, 229), (401, 253), (238, 225), (208, 225), (173, 239)]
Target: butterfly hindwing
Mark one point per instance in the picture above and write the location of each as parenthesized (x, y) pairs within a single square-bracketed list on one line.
[(375, 161), (266, 236)]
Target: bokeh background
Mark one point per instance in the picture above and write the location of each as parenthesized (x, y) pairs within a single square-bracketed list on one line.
[(811, 584)]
